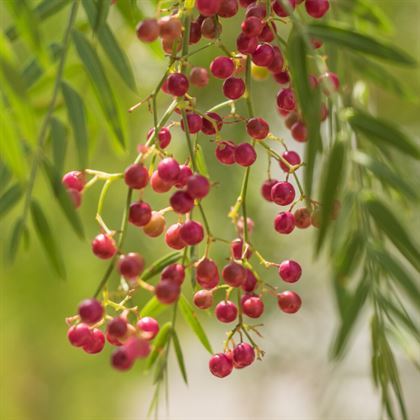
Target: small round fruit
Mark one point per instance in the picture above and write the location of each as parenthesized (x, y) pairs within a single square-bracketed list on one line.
[(148, 326), (203, 299), (79, 334), (198, 186), (283, 193), (220, 365), (302, 218), (257, 128), (148, 30), (284, 222), (139, 213), (177, 84), (103, 246), (173, 238), (290, 156), (168, 170), (245, 154), (136, 176), (207, 274), (234, 274), (253, 307), (225, 152), (156, 226), (96, 344), (167, 291), (182, 202), (290, 271), (117, 327), (250, 282), (289, 302), (192, 232), (243, 355), (90, 311), (233, 88), (121, 360), (174, 272), (131, 265), (74, 180), (226, 311)]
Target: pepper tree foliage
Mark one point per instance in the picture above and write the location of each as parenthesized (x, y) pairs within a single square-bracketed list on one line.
[(373, 256)]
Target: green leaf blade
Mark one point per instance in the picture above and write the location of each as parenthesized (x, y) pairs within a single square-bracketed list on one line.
[(179, 356), (9, 199), (160, 264)]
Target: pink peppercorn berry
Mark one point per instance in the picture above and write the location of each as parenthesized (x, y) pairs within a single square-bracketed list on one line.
[(220, 365), (283, 193), (243, 355), (90, 311), (284, 222), (226, 311), (103, 246), (203, 299), (289, 302), (290, 271), (148, 327)]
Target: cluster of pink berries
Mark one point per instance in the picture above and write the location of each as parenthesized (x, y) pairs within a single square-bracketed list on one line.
[(164, 173)]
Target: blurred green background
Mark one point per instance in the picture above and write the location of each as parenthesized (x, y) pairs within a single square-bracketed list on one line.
[(44, 378)]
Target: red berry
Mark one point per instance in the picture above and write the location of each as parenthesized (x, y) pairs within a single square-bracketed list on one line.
[(210, 29), (148, 326), (253, 307), (208, 7), (284, 222), (192, 232), (121, 360), (199, 77), (79, 335), (246, 44), (198, 186), (233, 88), (184, 173), (245, 154), (90, 311), (174, 272), (104, 247), (96, 344), (252, 26), (158, 184), (203, 299), (117, 327), (222, 67), (170, 27), (195, 34), (282, 77), (286, 100), (182, 202), (167, 291), (212, 123), (74, 180), (220, 365), (75, 197), (292, 157), (290, 271), (267, 34), (136, 176), (250, 282), (156, 226), (243, 355), (302, 218), (280, 10), (228, 8), (207, 274), (283, 193), (164, 136), (289, 302), (299, 131), (177, 84), (257, 128), (234, 274), (226, 311), (237, 249), (225, 152), (266, 188), (139, 213), (317, 8), (263, 55), (256, 9), (168, 170), (137, 348), (173, 238), (194, 122), (278, 61), (148, 30), (112, 340), (131, 265)]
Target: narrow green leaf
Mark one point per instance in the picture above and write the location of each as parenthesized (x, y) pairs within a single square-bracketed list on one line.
[(160, 264), (58, 136), (15, 240), (100, 83), (179, 356), (385, 174), (191, 318), (352, 312), (153, 308), (5, 176), (200, 160), (383, 133), (159, 343), (393, 229), (348, 256), (356, 41), (332, 180), (130, 11), (9, 199), (64, 199), (77, 117), (46, 238), (115, 53), (102, 7)]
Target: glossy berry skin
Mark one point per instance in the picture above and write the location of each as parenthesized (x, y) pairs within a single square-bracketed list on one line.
[(74, 180), (263, 55), (292, 157), (277, 63), (257, 128), (250, 282), (252, 26), (253, 307), (222, 67), (167, 291), (289, 302), (139, 213), (228, 8), (199, 76), (290, 271), (210, 29), (233, 88), (234, 274), (203, 299), (177, 84), (198, 186), (75, 197), (195, 35), (170, 27), (148, 30), (286, 100), (207, 274), (245, 44), (208, 7), (283, 193), (212, 124), (96, 344), (156, 226), (137, 348), (158, 184), (220, 365), (173, 238), (266, 188), (226, 311), (266, 34), (184, 173), (282, 77), (245, 154), (302, 218), (121, 360), (284, 222), (237, 249), (131, 265), (168, 170), (243, 355), (117, 327), (79, 334), (164, 136), (299, 132), (148, 327), (181, 202), (194, 122), (136, 176), (192, 232), (174, 272), (225, 152), (317, 8), (90, 311), (280, 10), (104, 247)]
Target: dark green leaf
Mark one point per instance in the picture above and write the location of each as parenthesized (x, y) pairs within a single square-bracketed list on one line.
[(116, 55), (77, 117), (153, 308), (191, 318), (130, 11), (383, 133), (46, 238), (100, 83), (200, 160), (393, 229), (5, 176), (102, 7), (58, 135), (347, 38), (15, 239), (159, 343), (160, 264), (348, 256), (10, 198), (179, 356)]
